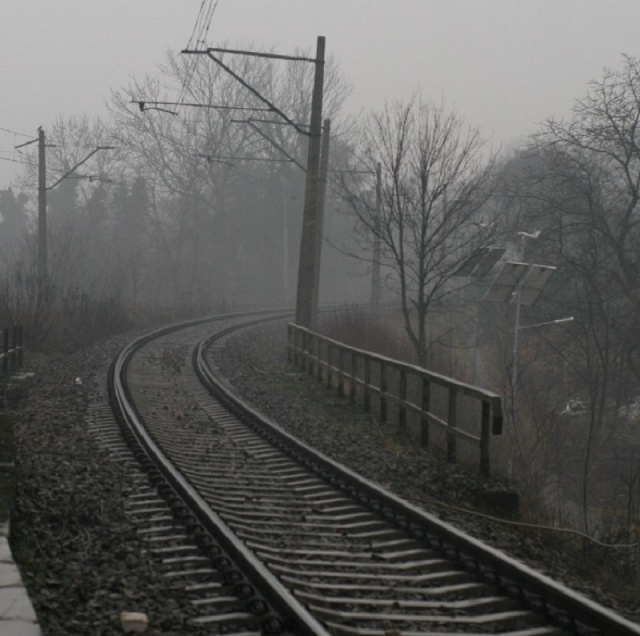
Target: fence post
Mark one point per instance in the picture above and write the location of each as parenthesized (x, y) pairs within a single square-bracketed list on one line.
[(305, 351), (485, 432), (308, 348), (20, 346), (367, 384), (5, 351), (451, 425), (402, 398), (296, 346), (316, 353), (14, 349), (354, 371), (426, 405), (319, 351), (383, 391), (637, 554), (340, 372), (301, 349)]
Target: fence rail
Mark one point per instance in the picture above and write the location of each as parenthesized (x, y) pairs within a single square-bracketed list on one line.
[(11, 355), (363, 374)]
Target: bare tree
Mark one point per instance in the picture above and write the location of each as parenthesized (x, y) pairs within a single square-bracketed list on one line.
[(434, 184), (77, 204), (579, 183), (13, 224), (198, 152), (593, 165)]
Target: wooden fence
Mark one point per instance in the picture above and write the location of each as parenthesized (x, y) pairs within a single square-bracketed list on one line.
[(11, 355), (365, 375)]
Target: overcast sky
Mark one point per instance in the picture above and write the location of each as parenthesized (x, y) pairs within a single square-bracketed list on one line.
[(505, 65)]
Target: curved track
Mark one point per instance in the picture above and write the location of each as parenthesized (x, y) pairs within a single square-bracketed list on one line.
[(269, 536)]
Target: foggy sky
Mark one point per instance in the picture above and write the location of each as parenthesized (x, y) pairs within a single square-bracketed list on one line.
[(504, 65)]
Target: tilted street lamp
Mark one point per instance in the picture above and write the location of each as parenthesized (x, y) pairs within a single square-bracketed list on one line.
[(548, 322)]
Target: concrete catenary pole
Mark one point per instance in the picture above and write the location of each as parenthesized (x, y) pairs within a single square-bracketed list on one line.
[(307, 264), (42, 215), (324, 170)]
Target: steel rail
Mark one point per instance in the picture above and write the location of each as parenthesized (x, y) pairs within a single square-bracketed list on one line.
[(300, 620)]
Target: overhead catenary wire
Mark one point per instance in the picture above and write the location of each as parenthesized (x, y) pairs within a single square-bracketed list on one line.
[(207, 22), (203, 21), (26, 163), (13, 132), (229, 160), (248, 86), (145, 104), (198, 36), (271, 141), (194, 31), (276, 121), (193, 38)]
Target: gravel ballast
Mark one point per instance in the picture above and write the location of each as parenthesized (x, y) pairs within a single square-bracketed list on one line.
[(78, 552)]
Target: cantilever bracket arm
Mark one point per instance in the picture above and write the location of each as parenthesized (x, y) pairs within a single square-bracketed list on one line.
[(275, 145), (66, 174), (272, 107)]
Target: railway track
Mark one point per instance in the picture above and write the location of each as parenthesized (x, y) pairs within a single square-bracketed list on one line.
[(266, 535)]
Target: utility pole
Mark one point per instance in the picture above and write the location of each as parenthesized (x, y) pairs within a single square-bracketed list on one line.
[(307, 276), (42, 216), (42, 268), (324, 168), (375, 268)]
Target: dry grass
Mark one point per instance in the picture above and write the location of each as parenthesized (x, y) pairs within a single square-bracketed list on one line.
[(382, 334)]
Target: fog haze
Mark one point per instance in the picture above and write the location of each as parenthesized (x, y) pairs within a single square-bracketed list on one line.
[(156, 215), (505, 66)]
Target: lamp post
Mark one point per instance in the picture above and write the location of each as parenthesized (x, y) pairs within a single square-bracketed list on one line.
[(522, 283), (549, 322), (532, 281), (514, 362)]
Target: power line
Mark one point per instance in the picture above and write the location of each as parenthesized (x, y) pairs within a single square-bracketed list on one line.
[(25, 163), (205, 16), (207, 23), (13, 132), (271, 141), (195, 26), (228, 160), (144, 105)]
